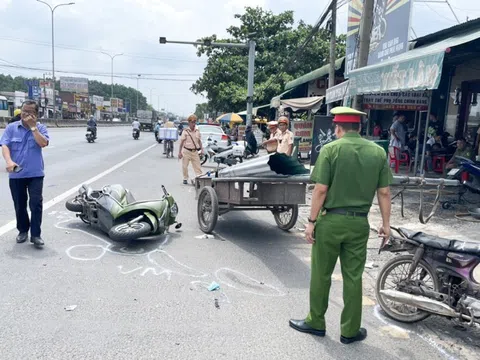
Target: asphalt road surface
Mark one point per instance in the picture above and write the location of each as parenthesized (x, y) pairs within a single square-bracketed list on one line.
[(149, 300)]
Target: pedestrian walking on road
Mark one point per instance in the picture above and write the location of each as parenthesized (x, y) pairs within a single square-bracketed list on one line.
[(22, 143), (190, 146), (347, 174)]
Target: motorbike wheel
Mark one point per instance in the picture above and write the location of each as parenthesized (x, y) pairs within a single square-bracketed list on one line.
[(125, 232), (203, 159), (74, 205), (286, 220), (398, 311)]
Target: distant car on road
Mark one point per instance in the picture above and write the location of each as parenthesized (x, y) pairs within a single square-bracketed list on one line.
[(215, 132)]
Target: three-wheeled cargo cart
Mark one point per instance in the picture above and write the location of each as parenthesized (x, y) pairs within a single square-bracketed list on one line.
[(217, 196)]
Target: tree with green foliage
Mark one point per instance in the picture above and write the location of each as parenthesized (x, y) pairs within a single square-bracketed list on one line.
[(224, 80)]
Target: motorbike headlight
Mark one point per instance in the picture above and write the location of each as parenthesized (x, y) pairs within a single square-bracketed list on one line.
[(174, 210)]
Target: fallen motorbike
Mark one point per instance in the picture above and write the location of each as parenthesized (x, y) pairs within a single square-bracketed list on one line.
[(136, 134), (90, 135), (229, 155), (115, 211), (436, 276)]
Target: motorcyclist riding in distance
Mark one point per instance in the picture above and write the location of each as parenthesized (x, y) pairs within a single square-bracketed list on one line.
[(92, 124), (136, 125)]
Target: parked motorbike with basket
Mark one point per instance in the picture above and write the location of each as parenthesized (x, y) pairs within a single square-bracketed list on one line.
[(114, 210), (435, 276), (229, 155)]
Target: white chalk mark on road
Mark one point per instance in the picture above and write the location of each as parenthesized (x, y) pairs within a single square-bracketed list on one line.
[(12, 224)]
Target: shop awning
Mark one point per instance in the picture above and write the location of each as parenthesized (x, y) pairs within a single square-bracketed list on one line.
[(275, 102), (254, 110), (313, 103), (315, 74), (417, 69)]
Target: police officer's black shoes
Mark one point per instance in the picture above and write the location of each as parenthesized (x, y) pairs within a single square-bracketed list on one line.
[(22, 237), (37, 241), (361, 335), (302, 326)]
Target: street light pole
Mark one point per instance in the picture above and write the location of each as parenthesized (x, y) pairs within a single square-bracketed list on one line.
[(53, 52), (112, 57), (250, 45)]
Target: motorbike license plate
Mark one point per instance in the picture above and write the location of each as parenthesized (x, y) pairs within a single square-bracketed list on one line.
[(237, 152), (453, 172)]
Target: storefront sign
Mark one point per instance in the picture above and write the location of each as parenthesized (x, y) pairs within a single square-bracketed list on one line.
[(74, 84), (389, 37), (337, 92), (417, 73), (410, 100), (303, 129)]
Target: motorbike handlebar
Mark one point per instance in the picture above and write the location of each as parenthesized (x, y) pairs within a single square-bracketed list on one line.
[(164, 190)]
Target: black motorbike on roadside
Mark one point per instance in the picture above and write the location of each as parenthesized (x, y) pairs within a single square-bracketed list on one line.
[(435, 276)]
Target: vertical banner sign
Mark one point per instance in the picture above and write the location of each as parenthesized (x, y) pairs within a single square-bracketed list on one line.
[(323, 133), (389, 37), (303, 129)]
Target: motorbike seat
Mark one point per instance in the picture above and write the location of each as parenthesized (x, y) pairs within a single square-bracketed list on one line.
[(222, 149), (119, 193), (436, 242)]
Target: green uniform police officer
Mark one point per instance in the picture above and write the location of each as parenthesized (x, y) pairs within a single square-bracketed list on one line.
[(348, 173)]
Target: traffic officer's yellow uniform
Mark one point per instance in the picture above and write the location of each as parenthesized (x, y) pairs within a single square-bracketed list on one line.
[(353, 168)]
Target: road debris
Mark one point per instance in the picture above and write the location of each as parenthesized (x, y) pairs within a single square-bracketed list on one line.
[(217, 305), (205, 236), (371, 265), (70, 307), (213, 286)]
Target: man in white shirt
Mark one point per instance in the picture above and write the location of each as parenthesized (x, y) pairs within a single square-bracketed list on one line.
[(136, 124)]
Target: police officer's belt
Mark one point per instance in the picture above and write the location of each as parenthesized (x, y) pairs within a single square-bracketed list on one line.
[(346, 212)]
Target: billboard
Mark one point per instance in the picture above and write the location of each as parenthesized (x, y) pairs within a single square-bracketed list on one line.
[(98, 101), (74, 84), (389, 37)]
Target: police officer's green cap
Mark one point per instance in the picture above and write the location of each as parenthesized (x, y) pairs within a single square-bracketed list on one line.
[(345, 114)]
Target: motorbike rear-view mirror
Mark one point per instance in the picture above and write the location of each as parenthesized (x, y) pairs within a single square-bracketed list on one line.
[(178, 226)]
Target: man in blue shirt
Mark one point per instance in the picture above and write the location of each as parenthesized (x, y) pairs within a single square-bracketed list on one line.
[(22, 143), (92, 124)]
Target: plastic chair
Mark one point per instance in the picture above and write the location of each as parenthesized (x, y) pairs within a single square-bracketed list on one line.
[(439, 163), (397, 157)]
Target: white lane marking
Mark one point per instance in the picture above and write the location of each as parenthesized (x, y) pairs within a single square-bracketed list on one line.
[(12, 224)]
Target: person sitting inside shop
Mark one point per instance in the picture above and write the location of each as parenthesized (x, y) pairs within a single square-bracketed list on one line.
[(463, 150)]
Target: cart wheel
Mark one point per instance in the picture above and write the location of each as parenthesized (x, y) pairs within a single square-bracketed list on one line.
[(287, 219), (207, 209), (446, 205)]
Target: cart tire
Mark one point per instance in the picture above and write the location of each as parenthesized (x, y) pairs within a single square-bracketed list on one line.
[(447, 205), (207, 200), (287, 223)]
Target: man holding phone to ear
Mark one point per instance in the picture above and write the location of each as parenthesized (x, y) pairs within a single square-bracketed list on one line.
[(22, 143)]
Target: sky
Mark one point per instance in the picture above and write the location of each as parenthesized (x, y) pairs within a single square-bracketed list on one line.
[(133, 27)]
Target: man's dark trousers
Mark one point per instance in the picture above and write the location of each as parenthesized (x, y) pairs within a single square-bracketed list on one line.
[(23, 190)]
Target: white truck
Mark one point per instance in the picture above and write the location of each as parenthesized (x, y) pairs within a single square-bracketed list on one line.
[(145, 118)]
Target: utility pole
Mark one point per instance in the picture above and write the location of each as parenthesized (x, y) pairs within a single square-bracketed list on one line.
[(365, 32), (138, 78), (333, 44), (250, 45), (111, 96)]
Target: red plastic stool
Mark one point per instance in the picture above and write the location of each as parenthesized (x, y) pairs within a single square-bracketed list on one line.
[(438, 163)]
